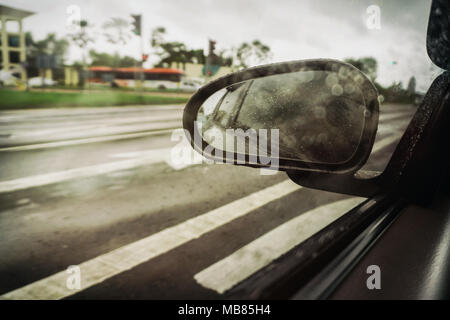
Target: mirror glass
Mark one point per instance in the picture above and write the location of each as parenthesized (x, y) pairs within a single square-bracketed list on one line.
[(312, 116)]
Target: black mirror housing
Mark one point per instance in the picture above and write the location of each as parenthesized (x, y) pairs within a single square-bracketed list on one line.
[(369, 105)]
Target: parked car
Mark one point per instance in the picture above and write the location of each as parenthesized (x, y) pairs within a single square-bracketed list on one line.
[(41, 82)]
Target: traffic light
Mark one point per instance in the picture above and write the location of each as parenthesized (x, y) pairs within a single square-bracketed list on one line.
[(144, 57), (212, 46), (137, 24)]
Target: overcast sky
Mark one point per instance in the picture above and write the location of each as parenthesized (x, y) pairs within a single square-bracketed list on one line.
[(294, 29)]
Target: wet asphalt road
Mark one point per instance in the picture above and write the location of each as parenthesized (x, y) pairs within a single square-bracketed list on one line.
[(98, 188)]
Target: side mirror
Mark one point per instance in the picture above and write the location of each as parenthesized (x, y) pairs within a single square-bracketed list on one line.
[(310, 115)]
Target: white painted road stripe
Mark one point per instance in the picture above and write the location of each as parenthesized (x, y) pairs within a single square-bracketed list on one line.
[(25, 114), (386, 117), (91, 128), (114, 137), (65, 143), (116, 119), (129, 256), (149, 157), (157, 155), (386, 141), (241, 264)]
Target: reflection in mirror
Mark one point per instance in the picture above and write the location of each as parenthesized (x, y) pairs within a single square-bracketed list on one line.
[(312, 116)]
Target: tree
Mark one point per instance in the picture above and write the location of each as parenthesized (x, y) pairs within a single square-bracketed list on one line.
[(412, 86), (127, 61), (82, 37), (50, 45), (117, 31), (156, 40), (169, 52), (196, 56), (178, 53), (175, 52), (113, 61), (224, 58), (251, 54), (396, 93), (367, 65), (158, 36)]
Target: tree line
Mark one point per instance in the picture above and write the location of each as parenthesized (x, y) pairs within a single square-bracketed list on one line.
[(396, 92), (117, 31)]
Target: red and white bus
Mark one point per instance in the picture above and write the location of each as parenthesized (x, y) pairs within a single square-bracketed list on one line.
[(157, 78)]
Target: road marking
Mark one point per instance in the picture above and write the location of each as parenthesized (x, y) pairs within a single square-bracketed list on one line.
[(386, 141), (24, 114), (157, 155), (100, 131), (241, 264), (89, 126), (105, 120), (146, 157), (65, 143), (390, 116), (105, 266), (113, 137)]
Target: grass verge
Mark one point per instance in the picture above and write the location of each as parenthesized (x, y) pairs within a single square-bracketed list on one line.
[(11, 99)]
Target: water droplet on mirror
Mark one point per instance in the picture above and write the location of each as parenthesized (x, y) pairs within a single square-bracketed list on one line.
[(331, 80), (337, 90), (349, 88), (343, 72)]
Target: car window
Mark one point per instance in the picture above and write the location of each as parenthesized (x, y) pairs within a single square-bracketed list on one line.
[(101, 194)]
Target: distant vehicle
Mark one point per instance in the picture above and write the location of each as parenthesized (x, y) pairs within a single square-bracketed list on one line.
[(156, 78), (40, 81), (190, 85)]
